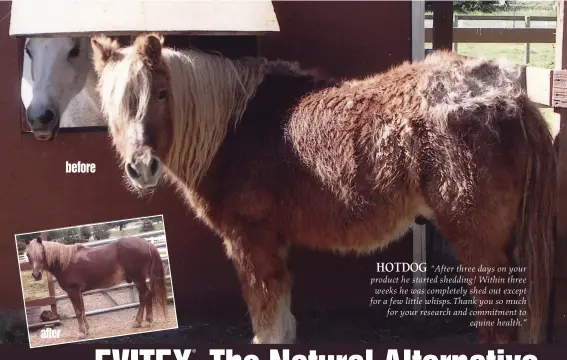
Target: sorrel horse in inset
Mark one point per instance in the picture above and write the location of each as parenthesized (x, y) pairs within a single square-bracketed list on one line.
[(269, 157), (78, 268)]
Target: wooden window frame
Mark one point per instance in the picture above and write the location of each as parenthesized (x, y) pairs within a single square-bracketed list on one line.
[(31, 18)]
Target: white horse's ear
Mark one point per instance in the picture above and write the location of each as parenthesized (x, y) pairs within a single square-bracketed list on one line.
[(38, 239), (149, 47), (103, 50)]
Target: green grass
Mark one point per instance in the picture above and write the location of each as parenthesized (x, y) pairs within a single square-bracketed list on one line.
[(541, 55)]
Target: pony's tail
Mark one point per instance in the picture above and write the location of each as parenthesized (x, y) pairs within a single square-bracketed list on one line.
[(534, 230), (157, 281)]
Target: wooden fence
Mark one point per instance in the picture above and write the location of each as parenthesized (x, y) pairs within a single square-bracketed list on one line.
[(152, 236), (526, 35)]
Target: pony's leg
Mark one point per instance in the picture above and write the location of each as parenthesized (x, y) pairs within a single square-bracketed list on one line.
[(142, 293), (75, 297), (149, 308), (472, 182), (260, 261), (83, 312), (476, 243)]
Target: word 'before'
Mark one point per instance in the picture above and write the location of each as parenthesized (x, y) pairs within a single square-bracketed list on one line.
[(79, 168)]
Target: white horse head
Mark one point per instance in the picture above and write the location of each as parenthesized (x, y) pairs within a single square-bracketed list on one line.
[(59, 85)]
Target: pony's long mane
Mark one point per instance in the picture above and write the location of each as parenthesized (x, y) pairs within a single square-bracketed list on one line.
[(208, 93), (56, 253)]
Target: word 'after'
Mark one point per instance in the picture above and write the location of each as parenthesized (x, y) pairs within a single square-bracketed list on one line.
[(49, 333)]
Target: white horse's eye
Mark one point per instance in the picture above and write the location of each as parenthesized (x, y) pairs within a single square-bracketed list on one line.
[(74, 52)]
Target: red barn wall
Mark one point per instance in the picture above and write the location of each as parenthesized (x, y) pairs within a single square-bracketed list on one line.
[(346, 39)]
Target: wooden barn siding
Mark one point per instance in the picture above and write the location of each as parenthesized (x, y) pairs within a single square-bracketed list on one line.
[(323, 34), (36, 194)]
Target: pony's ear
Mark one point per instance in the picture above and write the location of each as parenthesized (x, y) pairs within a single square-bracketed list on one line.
[(103, 50), (27, 241), (149, 47), (38, 239)]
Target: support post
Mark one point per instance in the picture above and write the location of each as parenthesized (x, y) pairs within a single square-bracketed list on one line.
[(442, 25), (455, 25), (527, 49), (418, 53), (559, 310)]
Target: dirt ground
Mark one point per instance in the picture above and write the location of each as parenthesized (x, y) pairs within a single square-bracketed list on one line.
[(113, 323), (313, 329), (95, 301)]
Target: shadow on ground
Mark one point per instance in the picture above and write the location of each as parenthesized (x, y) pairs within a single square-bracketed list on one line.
[(313, 329)]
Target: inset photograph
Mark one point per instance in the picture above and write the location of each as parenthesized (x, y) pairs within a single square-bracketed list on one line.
[(96, 281)]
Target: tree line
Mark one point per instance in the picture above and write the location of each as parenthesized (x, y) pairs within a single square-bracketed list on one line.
[(472, 6), (85, 233)]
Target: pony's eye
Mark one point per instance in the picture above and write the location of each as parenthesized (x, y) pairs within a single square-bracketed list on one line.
[(162, 94), (28, 52), (74, 52)]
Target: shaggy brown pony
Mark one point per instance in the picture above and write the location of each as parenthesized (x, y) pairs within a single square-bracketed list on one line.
[(269, 157), (78, 268)]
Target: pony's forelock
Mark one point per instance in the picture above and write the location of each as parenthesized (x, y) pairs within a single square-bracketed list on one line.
[(125, 90), (53, 253)]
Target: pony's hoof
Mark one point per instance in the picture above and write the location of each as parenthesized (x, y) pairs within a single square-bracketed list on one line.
[(83, 335), (257, 340), (136, 325)]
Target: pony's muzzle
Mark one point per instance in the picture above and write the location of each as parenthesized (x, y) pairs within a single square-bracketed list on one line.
[(144, 174), (37, 276)]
